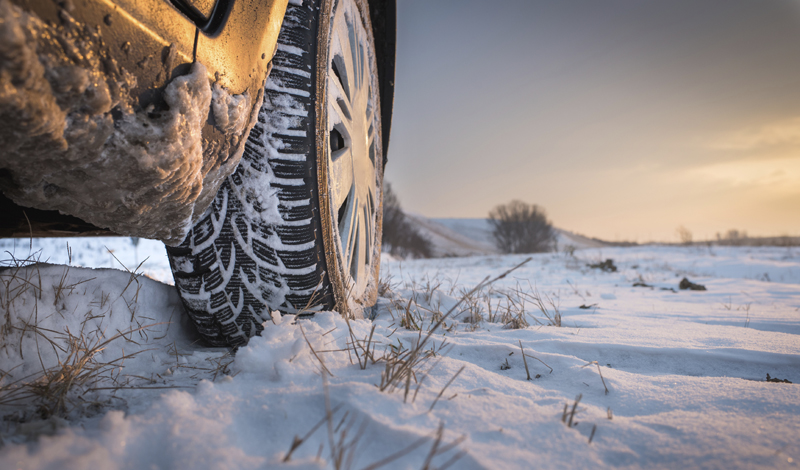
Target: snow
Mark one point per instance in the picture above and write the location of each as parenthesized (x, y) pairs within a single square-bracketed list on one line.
[(685, 370), (476, 229), (466, 237), (231, 112), (123, 253)]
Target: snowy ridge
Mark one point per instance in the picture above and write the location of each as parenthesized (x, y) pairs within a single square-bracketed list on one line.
[(566, 238), (452, 241), (471, 237)]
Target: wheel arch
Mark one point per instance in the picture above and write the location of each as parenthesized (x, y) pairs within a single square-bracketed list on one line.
[(27, 221), (383, 15)]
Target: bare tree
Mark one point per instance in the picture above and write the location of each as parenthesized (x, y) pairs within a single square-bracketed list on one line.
[(400, 237), (684, 234), (519, 227), (733, 237)]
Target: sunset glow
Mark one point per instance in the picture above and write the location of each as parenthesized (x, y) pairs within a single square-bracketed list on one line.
[(623, 119)]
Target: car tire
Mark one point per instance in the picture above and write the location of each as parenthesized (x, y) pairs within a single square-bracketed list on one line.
[(297, 227)]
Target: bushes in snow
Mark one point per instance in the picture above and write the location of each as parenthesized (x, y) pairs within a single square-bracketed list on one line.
[(519, 227)]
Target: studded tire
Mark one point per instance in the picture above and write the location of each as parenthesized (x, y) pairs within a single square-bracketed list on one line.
[(272, 238)]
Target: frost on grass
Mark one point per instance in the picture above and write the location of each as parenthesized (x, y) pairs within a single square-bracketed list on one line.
[(73, 340), (74, 142), (684, 373)]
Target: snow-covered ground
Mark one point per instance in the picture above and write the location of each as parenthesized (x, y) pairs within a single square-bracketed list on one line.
[(125, 253), (685, 370)]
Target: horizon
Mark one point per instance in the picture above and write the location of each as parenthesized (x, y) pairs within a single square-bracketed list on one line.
[(742, 234), (623, 120)]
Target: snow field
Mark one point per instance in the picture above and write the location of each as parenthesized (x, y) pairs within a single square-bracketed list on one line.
[(121, 253), (685, 370)]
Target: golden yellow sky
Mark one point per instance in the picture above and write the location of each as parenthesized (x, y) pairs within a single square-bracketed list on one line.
[(623, 119)]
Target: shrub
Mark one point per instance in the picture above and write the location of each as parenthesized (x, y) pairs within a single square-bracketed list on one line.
[(519, 227), (400, 237), (733, 237), (684, 235)]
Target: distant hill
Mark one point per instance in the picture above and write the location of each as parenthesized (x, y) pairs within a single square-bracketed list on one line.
[(454, 241), (473, 237)]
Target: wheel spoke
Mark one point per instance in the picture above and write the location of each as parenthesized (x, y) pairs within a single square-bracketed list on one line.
[(340, 75), (351, 227), (354, 56), (363, 73), (353, 260), (339, 85), (368, 230), (349, 69), (342, 110), (370, 137), (341, 167)]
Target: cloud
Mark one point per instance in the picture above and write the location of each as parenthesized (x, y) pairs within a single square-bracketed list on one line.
[(773, 175), (776, 134)]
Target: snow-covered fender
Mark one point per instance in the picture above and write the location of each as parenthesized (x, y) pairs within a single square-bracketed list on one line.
[(127, 114)]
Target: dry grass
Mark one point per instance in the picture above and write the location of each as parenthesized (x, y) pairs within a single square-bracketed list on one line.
[(410, 319), (403, 363), (484, 304), (445, 387), (216, 366), (525, 361), (473, 303), (57, 390), (364, 350), (15, 282), (401, 366), (70, 368), (568, 416), (514, 314), (386, 285), (599, 372), (591, 436), (511, 307), (428, 287), (548, 307)]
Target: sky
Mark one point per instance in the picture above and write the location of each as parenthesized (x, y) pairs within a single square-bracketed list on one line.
[(623, 119)]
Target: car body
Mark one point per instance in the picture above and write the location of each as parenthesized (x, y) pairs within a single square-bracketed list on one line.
[(125, 116)]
